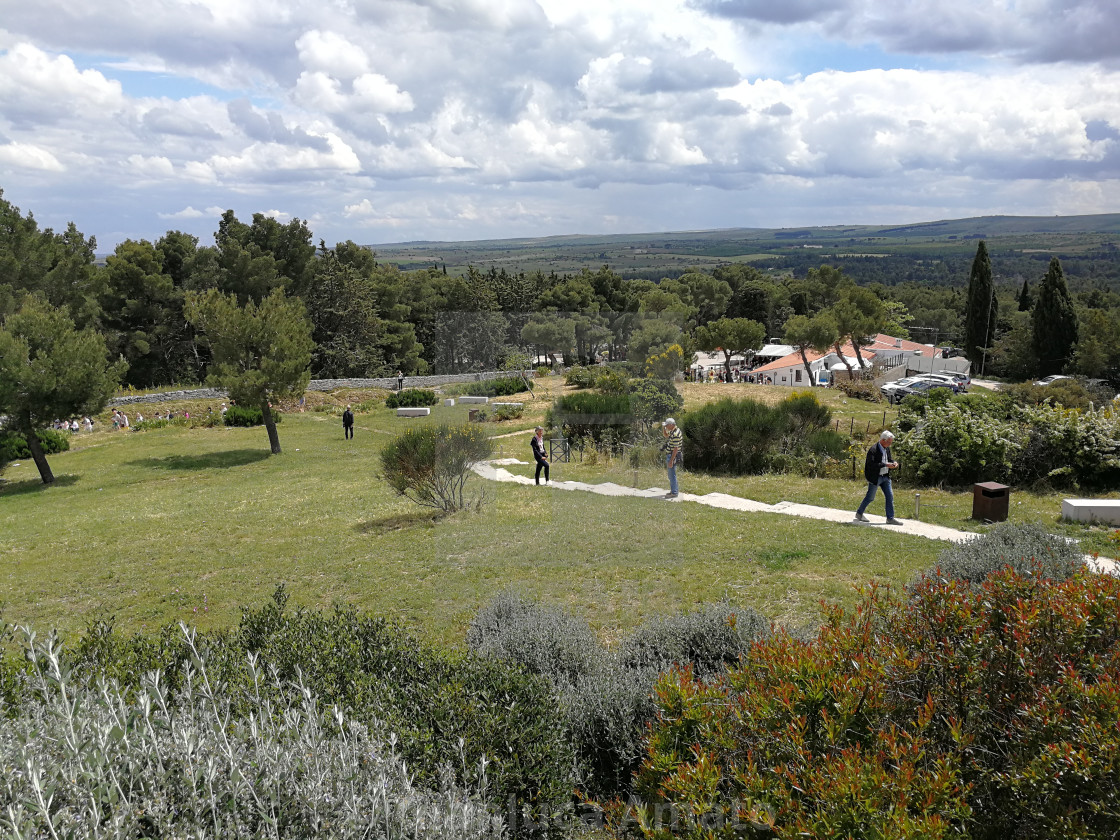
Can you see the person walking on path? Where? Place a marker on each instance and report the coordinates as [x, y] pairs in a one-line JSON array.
[[348, 423], [876, 469], [538, 454], [674, 442], [400, 381]]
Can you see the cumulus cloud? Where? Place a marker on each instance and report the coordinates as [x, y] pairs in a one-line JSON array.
[[28, 156], [331, 53], [187, 212], [1036, 31], [464, 109], [155, 166], [38, 88]]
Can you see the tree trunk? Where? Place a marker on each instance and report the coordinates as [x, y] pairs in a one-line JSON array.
[[727, 363], [39, 457], [270, 425], [844, 359], [805, 361], [859, 356]]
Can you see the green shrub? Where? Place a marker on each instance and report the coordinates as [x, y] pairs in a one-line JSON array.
[[241, 415], [504, 386], [411, 398], [430, 464], [90, 759], [860, 389], [610, 381], [1028, 549], [607, 697], [746, 437], [652, 400], [706, 640], [13, 445], [580, 377], [202, 421], [544, 641], [446, 712], [986, 713], [951, 443], [594, 416], [1068, 393], [507, 412]]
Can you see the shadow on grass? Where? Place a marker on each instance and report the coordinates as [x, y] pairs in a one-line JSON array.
[[34, 485], [400, 521], [209, 461]]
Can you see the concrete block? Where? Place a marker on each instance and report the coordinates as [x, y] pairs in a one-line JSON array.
[[1105, 511], [449, 403], [413, 412], [507, 405], [474, 400]]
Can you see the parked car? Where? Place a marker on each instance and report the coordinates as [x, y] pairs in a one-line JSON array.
[[962, 380], [1049, 380], [922, 386], [888, 388]]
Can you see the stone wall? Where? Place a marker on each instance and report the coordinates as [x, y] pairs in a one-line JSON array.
[[389, 382]]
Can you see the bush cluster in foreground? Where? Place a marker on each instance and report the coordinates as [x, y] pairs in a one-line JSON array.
[[982, 701], [93, 759], [987, 712]]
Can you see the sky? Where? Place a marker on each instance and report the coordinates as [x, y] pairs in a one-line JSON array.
[[387, 121]]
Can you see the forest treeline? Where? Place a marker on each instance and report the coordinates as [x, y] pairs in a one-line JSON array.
[[369, 318]]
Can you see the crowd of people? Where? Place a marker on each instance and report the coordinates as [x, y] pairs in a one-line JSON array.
[[713, 376], [121, 420]]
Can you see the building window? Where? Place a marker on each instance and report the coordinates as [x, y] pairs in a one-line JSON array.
[[797, 376]]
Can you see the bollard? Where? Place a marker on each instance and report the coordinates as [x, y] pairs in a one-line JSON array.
[[917, 506]]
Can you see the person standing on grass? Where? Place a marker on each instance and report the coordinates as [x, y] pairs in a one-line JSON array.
[[674, 443], [538, 454], [400, 381], [348, 423], [876, 469]]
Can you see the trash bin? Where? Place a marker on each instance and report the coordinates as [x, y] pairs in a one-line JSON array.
[[989, 501]]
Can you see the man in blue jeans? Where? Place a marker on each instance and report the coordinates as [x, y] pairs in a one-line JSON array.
[[876, 469]]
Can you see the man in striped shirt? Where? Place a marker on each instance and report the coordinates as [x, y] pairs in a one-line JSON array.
[[674, 440]]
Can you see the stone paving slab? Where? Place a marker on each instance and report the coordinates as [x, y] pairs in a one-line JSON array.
[[725, 501]]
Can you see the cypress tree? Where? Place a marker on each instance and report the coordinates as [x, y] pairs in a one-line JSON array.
[[1054, 321], [981, 308], [1025, 299]]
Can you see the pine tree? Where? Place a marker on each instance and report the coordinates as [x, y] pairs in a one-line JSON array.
[[981, 309], [1055, 322], [1025, 299]]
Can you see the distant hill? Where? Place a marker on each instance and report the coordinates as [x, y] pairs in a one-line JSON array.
[[655, 255], [973, 227]]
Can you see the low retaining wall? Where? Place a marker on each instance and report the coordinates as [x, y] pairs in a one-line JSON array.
[[389, 382]]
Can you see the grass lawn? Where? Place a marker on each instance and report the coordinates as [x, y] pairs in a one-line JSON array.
[[192, 524]]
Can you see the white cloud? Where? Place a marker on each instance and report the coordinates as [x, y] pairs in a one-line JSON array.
[[187, 212], [376, 92], [474, 113], [37, 88], [332, 54], [28, 156], [156, 166]]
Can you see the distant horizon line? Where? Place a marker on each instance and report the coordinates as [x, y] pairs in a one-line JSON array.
[[693, 231]]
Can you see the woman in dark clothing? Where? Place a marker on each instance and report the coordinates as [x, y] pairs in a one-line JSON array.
[[538, 454]]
